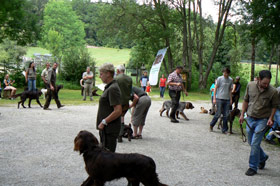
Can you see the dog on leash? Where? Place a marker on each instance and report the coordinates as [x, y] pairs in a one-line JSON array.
[[180, 110], [233, 113], [203, 110], [103, 165], [31, 95]]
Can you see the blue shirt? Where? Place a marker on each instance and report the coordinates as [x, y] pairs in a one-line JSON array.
[[212, 87]]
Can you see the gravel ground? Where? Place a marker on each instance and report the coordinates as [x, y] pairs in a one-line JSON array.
[[36, 148]]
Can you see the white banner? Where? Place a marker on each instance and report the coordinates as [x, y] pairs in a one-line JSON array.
[[153, 78]]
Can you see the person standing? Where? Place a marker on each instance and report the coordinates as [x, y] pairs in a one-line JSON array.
[[108, 120], [236, 92], [30, 77], [162, 85], [223, 99], [88, 83], [144, 80], [141, 103], [125, 84], [52, 90], [176, 85], [260, 103], [45, 73]]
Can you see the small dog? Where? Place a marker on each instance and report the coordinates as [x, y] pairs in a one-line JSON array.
[[29, 94], [203, 110], [127, 132], [103, 165], [234, 113], [182, 105]]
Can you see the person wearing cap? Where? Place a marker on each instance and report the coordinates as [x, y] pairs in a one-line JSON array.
[[175, 83], [236, 92], [125, 84], [223, 99]]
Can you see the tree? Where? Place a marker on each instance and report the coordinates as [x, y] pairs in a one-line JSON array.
[[62, 29], [17, 22]]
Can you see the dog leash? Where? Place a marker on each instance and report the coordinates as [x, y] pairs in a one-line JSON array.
[[242, 132], [243, 136]]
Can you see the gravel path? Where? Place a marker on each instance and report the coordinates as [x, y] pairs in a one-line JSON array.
[[36, 148]]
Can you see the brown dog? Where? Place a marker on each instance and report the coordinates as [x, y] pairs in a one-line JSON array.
[[234, 113], [203, 110], [103, 165], [180, 110]]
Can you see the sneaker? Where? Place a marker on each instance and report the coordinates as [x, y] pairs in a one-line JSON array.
[[250, 172], [272, 142], [211, 128], [61, 106], [120, 139], [47, 109], [262, 164], [174, 120]]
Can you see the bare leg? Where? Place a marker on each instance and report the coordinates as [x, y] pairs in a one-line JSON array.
[[135, 129], [140, 129]]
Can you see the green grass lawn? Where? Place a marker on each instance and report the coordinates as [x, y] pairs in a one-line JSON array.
[[100, 54]]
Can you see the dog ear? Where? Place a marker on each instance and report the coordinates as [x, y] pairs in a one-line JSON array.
[[187, 105], [77, 144]]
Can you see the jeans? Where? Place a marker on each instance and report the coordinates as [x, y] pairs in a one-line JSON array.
[[175, 98], [255, 136], [275, 125], [222, 108], [32, 85], [162, 89]]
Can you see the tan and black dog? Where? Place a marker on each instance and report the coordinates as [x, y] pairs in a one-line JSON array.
[[203, 110], [233, 113], [180, 110]]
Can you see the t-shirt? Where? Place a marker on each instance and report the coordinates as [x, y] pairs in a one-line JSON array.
[[237, 88], [162, 82], [125, 84], [148, 89], [31, 74], [212, 87], [138, 91], [110, 97], [144, 80], [224, 87], [88, 81]]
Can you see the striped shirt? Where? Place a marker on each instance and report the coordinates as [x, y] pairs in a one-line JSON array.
[[175, 78]]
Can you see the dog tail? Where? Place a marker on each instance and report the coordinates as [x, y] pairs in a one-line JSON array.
[[17, 95]]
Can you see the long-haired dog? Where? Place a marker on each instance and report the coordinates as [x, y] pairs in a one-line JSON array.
[[180, 110], [31, 95], [103, 165]]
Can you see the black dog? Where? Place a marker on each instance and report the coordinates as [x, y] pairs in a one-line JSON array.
[[182, 105], [127, 132], [233, 113], [31, 95], [103, 165]]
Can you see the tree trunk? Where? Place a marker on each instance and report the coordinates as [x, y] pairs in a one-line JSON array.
[[224, 7], [190, 42], [271, 56], [278, 56], [253, 57], [165, 68]]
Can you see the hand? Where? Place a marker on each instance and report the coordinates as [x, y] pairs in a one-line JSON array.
[[241, 119], [186, 93], [214, 101], [52, 88], [270, 122], [230, 102], [178, 84], [101, 126]]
